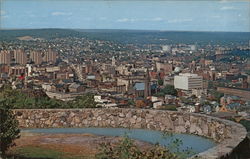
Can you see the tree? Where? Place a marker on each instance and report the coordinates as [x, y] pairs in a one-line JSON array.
[[131, 102], [84, 101], [217, 95], [160, 82], [169, 89], [210, 85], [9, 130]]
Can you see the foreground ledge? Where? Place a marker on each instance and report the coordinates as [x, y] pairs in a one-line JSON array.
[[226, 133]]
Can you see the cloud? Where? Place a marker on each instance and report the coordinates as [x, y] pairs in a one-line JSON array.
[[227, 8], [126, 20], [157, 19], [180, 20], [223, 1], [61, 13]]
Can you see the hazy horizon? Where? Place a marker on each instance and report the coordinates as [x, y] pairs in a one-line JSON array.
[[140, 30]]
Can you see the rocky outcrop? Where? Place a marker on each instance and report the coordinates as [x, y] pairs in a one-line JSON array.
[[228, 134]]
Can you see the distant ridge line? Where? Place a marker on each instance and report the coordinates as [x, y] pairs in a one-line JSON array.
[[122, 30]]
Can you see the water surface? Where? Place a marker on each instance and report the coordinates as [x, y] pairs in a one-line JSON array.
[[197, 143]]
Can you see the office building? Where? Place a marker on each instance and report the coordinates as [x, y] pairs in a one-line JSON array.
[[188, 81]]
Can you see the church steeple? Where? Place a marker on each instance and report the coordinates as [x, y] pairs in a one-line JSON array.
[[147, 89], [130, 86]]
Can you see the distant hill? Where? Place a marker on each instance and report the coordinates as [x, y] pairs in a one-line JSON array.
[[37, 33], [133, 36], [28, 38], [167, 37]]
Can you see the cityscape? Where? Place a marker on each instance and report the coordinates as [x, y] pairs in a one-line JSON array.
[[126, 93]]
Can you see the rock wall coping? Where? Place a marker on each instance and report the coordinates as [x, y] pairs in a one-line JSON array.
[[226, 133]]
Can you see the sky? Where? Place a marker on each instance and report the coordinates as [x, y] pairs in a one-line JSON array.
[[174, 15]]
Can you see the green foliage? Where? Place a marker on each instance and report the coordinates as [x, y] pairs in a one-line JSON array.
[[170, 90], [84, 101], [170, 107], [166, 134], [38, 33], [21, 100], [122, 150], [186, 100], [210, 85], [160, 94], [132, 36], [18, 100], [126, 149], [158, 152], [217, 95], [160, 82], [206, 103], [131, 102], [154, 37], [8, 127], [174, 146], [39, 152]]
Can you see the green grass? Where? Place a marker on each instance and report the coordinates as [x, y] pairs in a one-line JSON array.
[[34, 152]]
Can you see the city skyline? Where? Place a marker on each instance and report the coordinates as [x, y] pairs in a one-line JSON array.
[[232, 16]]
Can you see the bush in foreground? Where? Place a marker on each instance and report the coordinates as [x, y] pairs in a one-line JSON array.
[[126, 149]]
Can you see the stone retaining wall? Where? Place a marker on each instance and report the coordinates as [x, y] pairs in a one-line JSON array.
[[226, 133]]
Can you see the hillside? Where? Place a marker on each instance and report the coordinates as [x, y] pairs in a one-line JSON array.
[[133, 36], [37, 33], [167, 37]]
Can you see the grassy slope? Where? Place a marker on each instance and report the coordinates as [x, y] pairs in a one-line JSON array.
[[37, 152]]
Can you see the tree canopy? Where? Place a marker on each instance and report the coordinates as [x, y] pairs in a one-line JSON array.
[[9, 130], [168, 89], [19, 99]]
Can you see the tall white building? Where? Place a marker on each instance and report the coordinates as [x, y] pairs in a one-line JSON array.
[[188, 81], [166, 48], [113, 63], [193, 47]]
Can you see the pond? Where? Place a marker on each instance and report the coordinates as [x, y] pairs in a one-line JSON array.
[[197, 143]]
